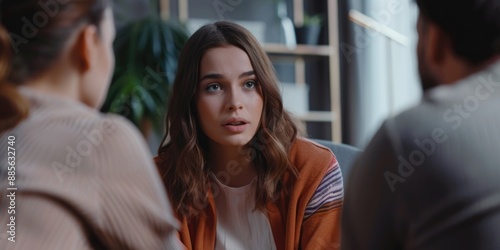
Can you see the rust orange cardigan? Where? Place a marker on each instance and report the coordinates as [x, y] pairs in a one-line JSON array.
[[286, 215]]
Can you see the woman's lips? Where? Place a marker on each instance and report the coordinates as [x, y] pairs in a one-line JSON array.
[[236, 128], [235, 124]]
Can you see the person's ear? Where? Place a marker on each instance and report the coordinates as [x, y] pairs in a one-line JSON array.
[[85, 47], [438, 45]]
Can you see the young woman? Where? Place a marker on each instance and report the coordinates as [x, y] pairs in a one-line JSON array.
[[237, 174], [77, 179]]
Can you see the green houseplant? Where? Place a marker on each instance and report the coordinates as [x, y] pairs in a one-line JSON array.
[[146, 53]]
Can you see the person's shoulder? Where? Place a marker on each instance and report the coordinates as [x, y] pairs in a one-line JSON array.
[[116, 126], [418, 120], [71, 119], [309, 147], [112, 133], [120, 123], [305, 151], [108, 124]]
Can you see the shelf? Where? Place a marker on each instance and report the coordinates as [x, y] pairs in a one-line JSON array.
[[317, 116], [299, 50]]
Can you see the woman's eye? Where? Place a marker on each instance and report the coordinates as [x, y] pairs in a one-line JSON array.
[[250, 84], [213, 87]]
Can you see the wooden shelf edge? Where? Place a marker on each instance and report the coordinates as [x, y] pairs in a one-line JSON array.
[[299, 50], [317, 116]]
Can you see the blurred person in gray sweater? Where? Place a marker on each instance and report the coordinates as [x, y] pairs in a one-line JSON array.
[[429, 179]]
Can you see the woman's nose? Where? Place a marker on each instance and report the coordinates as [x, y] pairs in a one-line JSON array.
[[234, 100]]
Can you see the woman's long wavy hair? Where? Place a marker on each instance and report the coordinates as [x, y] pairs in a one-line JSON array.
[[183, 153]]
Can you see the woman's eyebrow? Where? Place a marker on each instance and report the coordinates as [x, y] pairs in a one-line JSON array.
[[220, 76], [248, 73], [211, 76]]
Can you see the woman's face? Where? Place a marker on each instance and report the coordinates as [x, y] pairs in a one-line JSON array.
[[102, 62], [228, 97]]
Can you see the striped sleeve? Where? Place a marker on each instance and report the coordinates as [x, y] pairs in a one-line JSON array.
[[329, 193]]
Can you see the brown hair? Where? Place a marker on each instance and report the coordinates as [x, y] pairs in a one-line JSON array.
[[12, 107], [32, 37], [184, 147]]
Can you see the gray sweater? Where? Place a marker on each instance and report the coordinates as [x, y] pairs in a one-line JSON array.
[[430, 178]]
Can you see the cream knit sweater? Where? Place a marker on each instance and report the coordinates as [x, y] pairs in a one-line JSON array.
[[83, 180]]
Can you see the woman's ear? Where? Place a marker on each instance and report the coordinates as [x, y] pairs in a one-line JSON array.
[[85, 47]]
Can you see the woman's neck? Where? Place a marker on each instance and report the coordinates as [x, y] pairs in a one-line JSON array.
[[231, 165], [62, 83]]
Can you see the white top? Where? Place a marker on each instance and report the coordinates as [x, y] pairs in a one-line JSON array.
[[239, 224]]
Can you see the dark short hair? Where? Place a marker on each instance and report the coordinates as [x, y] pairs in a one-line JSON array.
[[472, 25]]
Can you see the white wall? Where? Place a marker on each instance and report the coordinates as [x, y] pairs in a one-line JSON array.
[[377, 63]]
